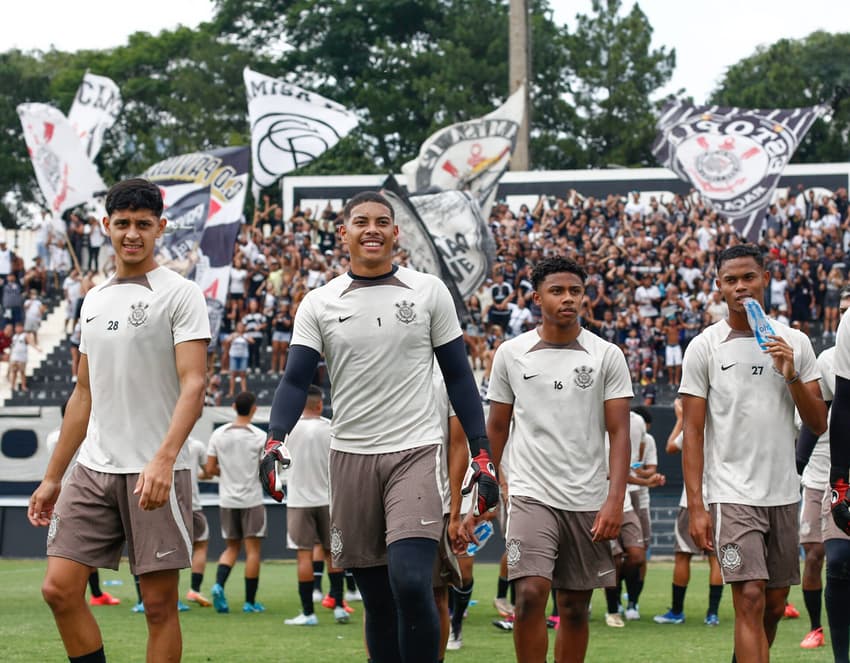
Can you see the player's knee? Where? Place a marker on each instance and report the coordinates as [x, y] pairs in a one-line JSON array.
[[530, 599], [410, 590], [573, 613], [159, 609], [635, 556], [57, 596], [838, 560], [751, 599], [814, 555]]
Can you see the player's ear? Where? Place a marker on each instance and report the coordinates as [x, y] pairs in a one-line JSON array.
[[161, 228]]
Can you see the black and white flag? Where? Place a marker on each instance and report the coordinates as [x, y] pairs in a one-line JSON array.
[[96, 106], [733, 156]]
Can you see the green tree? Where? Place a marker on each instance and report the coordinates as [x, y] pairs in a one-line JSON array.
[[795, 73], [615, 73]]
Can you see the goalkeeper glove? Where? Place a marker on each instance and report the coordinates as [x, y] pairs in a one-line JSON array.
[[840, 503], [275, 460], [482, 476]]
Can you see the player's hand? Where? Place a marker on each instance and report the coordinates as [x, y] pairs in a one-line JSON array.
[[656, 480], [275, 460], [782, 355], [154, 483], [840, 503], [700, 528], [481, 475], [43, 500], [458, 537], [609, 519]]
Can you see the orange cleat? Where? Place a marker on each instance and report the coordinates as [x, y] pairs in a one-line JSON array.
[[330, 603], [791, 612], [813, 640], [104, 599]]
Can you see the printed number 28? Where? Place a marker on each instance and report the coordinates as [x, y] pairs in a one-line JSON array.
[[112, 325]]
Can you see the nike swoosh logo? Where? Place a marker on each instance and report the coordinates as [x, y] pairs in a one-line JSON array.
[[427, 522], [605, 573], [528, 377], [91, 318], [343, 319], [726, 368], [160, 555]]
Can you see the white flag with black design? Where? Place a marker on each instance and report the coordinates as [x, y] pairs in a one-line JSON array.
[[95, 109], [65, 174], [733, 156], [469, 156], [290, 126]]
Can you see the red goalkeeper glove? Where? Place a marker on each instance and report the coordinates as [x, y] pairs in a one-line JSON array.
[[481, 476], [275, 460], [840, 503]]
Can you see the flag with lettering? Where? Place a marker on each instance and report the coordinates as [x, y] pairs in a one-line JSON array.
[[65, 174], [469, 156], [733, 156], [95, 109], [290, 126]]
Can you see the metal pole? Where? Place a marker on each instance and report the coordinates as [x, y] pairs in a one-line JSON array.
[[519, 72]]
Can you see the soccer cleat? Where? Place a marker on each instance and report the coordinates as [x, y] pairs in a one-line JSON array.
[[138, 608], [813, 639], [196, 597], [182, 607], [341, 615], [671, 617], [219, 601], [303, 620], [253, 607], [353, 596], [104, 599], [553, 621], [318, 596], [503, 607], [791, 612], [632, 614], [455, 641], [328, 602], [711, 619], [614, 620], [506, 624]]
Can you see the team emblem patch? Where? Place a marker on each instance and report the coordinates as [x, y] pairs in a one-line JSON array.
[[138, 314], [336, 540], [513, 551], [730, 556], [404, 312], [805, 528], [584, 379], [54, 525]]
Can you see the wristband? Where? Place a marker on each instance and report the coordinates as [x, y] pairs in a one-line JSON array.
[[796, 378]]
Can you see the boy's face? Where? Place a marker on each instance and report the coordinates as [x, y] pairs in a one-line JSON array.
[[133, 234]]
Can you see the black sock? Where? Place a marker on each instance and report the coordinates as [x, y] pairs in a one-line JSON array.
[[502, 590], [336, 586], [318, 572], [512, 592], [251, 585], [93, 657], [138, 588], [634, 596], [554, 602], [94, 584], [612, 598], [714, 594], [380, 614], [197, 579], [812, 599], [305, 592], [410, 563], [350, 585], [461, 598], [632, 578], [838, 615], [222, 573], [678, 605]]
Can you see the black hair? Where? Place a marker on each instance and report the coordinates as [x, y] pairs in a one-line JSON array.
[[367, 197], [740, 251], [555, 265], [844, 292], [315, 392], [244, 402], [134, 194], [643, 412]]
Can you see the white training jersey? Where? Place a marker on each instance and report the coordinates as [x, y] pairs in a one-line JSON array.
[[841, 360], [627, 499], [683, 500], [239, 450], [309, 444], [378, 337], [129, 330], [749, 429], [637, 435], [197, 451], [557, 441], [649, 458], [816, 472]]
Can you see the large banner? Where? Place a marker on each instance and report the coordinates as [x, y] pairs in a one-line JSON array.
[[290, 126], [95, 109], [733, 156], [469, 156], [65, 174]]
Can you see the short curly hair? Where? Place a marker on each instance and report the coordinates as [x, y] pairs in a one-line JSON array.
[[555, 265]]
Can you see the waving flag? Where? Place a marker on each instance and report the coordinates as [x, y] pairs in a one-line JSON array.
[[469, 156], [733, 156], [95, 109], [290, 126], [64, 172]]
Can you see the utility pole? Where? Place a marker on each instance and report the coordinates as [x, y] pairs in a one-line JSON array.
[[519, 72]]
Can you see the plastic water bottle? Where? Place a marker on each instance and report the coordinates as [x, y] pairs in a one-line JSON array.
[[112, 583], [637, 465], [758, 322], [483, 532]]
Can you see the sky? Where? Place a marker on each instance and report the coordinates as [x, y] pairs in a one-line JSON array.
[[708, 36]]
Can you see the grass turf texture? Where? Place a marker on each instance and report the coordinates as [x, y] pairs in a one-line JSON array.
[[27, 631]]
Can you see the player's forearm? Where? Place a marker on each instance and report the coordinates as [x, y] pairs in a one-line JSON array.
[[810, 405], [618, 466], [291, 394], [693, 462], [463, 393], [73, 432], [458, 459], [806, 442], [187, 411]]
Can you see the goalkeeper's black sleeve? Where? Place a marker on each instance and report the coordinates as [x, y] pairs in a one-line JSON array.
[[805, 445], [291, 393], [839, 426], [463, 393]]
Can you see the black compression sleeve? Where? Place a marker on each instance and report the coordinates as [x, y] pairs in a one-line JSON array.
[[839, 427], [460, 383], [291, 393], [805, 445]]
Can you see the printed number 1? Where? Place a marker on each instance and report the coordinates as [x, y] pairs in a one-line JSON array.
[[379, 322]]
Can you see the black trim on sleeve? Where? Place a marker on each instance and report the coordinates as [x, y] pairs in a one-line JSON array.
[[463, 393], [291, 394]]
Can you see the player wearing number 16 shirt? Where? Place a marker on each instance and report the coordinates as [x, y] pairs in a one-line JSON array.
[[379, 327]]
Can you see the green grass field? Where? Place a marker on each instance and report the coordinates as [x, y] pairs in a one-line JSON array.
[[27, 632]]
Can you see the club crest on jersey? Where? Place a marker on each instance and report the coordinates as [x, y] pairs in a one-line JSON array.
[[404, 311], [138, 314], [54, 525], [730, 556], [513, 552], [336, 540], [584, 379]]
